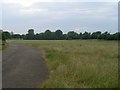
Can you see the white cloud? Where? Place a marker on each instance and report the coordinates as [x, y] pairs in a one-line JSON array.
[[33, 11], [0, 16], [27, 3], [22, 14]]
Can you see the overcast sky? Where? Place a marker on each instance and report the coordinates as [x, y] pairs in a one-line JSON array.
[[68, 15]]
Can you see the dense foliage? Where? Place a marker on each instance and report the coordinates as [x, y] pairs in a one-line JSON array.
[[58, 35]]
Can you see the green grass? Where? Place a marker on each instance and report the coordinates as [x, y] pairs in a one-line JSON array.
[[80, 63], [0, 47], [0, 44], [3, 47]]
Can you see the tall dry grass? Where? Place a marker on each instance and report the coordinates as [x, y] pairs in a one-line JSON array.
[[80, 63]]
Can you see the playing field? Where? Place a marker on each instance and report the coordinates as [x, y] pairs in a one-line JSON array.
[[79, 63]]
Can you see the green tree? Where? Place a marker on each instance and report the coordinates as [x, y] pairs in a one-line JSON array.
[[30, 35], [117, 36], [47, 34], [96, 35], [16, 36], [105, 35], [59, 34], [72, 35], [53, 36], [86, 35], [7, 35], [80, 35], [3, 39]]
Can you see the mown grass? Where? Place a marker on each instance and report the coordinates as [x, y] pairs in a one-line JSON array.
[[80, 63]]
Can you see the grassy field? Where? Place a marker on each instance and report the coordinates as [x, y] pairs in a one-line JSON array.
[[0, 47], [0, 44], [80, 63]]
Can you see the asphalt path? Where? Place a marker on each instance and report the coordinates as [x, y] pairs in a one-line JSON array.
[[23, 67]]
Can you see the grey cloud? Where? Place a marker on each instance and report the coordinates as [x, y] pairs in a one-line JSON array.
[[66, 16]]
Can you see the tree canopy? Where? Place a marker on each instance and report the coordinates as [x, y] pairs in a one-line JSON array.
[[58, 35]]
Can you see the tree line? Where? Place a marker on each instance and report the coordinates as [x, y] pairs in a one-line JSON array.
[[58, 35]]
